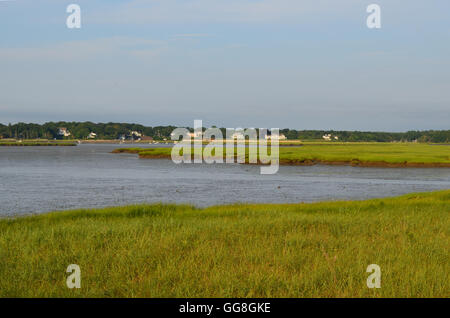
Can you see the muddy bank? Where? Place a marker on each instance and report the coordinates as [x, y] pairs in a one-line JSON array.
[[358, 163], [127, 150]]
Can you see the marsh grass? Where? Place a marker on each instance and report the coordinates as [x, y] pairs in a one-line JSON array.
[[369, 152], [262, 250], [377, 154]]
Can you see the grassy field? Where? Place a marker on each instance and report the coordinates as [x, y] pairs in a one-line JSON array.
[[357, 154], [292, 250]]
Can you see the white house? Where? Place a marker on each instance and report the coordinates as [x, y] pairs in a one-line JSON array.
[[280, 137], [197, 134], [62, 131], [135, 133], [237, 135], [92, 135], [246, 135], [328, 137]]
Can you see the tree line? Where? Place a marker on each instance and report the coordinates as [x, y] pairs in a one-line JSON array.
[[80, 130], [440, 136]]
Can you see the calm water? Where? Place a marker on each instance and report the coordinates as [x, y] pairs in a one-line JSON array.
[[41, 179]]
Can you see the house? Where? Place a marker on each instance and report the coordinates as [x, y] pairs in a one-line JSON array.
[[146, 138], [135, 133], [329, 137], [197, 134], [92, 135], [237, 135], [280, 137], [62, 131], [243, 135]]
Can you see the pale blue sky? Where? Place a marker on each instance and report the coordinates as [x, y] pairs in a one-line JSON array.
[[309, 64]]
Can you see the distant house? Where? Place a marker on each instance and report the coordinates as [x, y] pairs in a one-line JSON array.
[[135, 133], [237, 135], [197, 134], [246, 135], [62, 131], [146, 138], [280, 137], [92, 135], [329, 137]]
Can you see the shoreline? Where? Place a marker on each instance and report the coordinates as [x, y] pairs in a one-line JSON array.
[[12, 217], [37, 144], [366, 164]]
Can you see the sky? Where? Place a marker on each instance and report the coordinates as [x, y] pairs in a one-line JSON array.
[[311, 64]]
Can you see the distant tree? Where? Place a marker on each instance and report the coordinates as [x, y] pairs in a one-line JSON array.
[[110, 130]]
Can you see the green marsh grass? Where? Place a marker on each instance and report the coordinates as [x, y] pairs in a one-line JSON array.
[[377, 154], [262, 250]]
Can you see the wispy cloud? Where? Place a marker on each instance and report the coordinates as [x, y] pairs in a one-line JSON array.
[[85, 50]]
